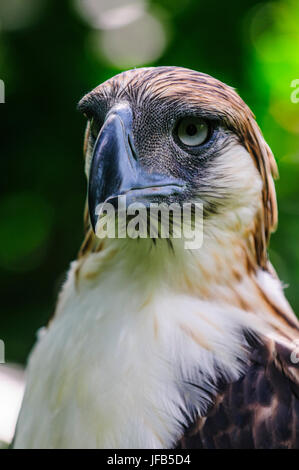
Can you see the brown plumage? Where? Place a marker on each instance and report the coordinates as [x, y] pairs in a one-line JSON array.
[[258, 411]]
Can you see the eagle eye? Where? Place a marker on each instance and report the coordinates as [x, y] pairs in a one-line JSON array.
[[192, 131]]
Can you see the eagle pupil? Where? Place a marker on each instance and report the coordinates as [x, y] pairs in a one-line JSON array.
[[191, 129]]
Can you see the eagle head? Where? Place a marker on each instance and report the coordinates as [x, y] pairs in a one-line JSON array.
[[173, 135]]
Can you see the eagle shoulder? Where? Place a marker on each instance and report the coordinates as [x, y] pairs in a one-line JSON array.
[[260, 410]]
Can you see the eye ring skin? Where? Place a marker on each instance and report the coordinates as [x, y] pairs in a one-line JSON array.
[[196, 149], [192, 132]]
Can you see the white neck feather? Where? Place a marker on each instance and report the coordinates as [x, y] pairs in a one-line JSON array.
[[134, 350]]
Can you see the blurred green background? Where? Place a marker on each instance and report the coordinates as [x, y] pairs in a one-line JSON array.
[[52, 53]]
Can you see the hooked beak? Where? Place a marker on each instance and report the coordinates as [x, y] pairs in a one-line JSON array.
[[115, 169]]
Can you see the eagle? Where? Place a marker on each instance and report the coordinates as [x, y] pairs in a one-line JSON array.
[[154, 345]]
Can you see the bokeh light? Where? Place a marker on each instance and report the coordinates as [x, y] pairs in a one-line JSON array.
[[110, 14], [17, 14], [127, 34], [274, 34], [135, 44]]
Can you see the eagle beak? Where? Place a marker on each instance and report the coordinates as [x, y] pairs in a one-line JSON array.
[[115, 169]]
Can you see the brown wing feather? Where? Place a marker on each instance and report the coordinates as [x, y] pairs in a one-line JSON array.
[[259, 411]]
